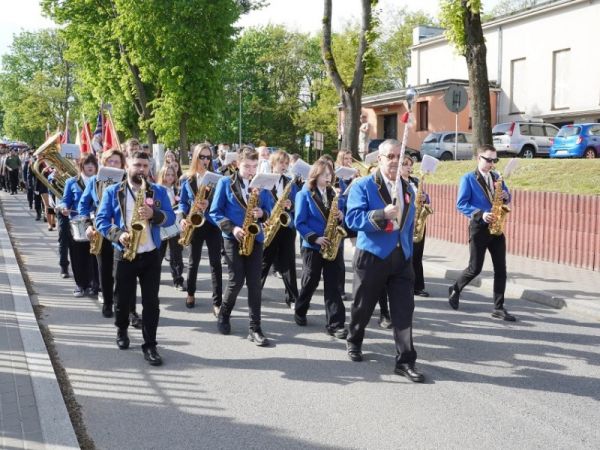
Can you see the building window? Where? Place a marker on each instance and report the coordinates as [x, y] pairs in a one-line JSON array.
[[560, 78], [423, 116], [518, 86]]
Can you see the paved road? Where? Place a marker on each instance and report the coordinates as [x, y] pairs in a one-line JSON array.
[[532, 384]]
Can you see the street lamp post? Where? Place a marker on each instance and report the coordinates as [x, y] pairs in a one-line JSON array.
[[240, 122]]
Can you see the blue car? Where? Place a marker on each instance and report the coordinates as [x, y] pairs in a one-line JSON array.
[[581, 140]]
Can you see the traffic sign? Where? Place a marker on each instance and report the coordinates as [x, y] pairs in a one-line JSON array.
[[456, 98]]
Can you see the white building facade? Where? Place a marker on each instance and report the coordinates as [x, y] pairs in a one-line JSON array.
[[545, 60]]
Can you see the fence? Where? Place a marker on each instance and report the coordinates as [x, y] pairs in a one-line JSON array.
[[550, 226]]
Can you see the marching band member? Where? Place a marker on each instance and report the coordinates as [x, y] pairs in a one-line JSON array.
[[229, 210], [167, 178], [84, 266], [383, 257], [88, 204], [475, 198], [208, 233], [313, 204], [119, 207], [282, 249]]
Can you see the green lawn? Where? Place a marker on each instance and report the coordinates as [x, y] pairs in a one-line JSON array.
[[571, 176]]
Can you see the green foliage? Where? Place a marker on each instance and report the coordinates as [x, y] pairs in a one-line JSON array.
[[36, 86], [452, 18]]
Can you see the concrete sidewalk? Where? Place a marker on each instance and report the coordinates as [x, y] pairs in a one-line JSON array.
[[32, 410]]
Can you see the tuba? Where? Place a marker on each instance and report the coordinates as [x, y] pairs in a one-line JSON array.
[[333, 232], [422, 212], [138, 226], [195, 218], [48, 156], [363, 168], [249, 226], [279, 217], [499, 209]]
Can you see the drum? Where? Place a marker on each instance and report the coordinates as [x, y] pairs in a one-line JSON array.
[[167, 233], [78, 227]]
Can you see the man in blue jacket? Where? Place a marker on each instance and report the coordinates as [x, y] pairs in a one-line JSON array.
[[113, 220], [475, 197], [384, 222]]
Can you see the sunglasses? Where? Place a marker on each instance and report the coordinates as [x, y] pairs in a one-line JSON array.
[[490, 160], [203, 157]]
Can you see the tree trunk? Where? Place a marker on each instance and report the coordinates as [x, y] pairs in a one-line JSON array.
[[478, 79], [183, 139], [352, 107], [151, 136]]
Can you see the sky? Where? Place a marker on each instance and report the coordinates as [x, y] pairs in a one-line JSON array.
[[298, 15]]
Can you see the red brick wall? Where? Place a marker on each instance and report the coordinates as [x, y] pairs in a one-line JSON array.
[[554, 227]]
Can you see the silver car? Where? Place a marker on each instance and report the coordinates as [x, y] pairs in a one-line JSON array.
[[525, 139], [441, 145]]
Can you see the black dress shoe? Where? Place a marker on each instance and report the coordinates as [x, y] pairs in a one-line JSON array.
[[300, 320], [107, 311], [258, 337], [385, 322], [340, 333], [179, 286], [354, 353], [136, 321], [190, 304], [223, 324], [409, 371], [453, 297], [152, 356], [504, 315], [421, 293], [64, 272], [122, 339]]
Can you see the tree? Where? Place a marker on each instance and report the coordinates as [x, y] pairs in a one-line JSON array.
[[462, 20], [36, 87], [349, 94]]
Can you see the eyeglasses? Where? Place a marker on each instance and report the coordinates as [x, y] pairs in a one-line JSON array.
[[391, 157], [203, 157], [490, 160]]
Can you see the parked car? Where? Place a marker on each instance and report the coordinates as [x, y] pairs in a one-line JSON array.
[[525, 139], [440, 145], [581, 140], [414, 154]]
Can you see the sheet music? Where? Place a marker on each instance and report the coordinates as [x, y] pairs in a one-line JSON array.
[[210, 179], [110, 174], [265, 181]]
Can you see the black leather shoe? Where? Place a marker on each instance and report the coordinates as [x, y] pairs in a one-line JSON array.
[[504, 315], [300, 320], [136, 321], [453, 297], [340, 333], [409, 371], [180, 286], [64, 273], [223, 324], [385, 322], [354, 353], [422, 293], [122, 339], [190, 302], [107, 311], [152, 356], [258, 338]]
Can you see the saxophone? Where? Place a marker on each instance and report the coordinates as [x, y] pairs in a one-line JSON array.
[[422, 213], [249, 226], [138, 226], [499, 209], [279, 217], [333, 232], [195, 217], [97, 239]]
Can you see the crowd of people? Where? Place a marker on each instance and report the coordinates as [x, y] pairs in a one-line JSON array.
[[128, 224]]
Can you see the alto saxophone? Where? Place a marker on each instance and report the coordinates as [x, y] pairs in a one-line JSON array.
[[279, 217], [249, 226], [138, 226], [422, 213], [499, 209], [195, 217], [97, 239], [333, 232]]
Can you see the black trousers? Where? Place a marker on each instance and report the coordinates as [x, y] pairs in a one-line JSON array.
[[30, 197], [341, 270], [396, 274], [211, 235], [37, 204], [145, 268], [64, 240], [481, 240], [105, 271], [13, 176], [312, 266], [417, 260], [85, 269], [243, 268], [175, 257], [282, 253]]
